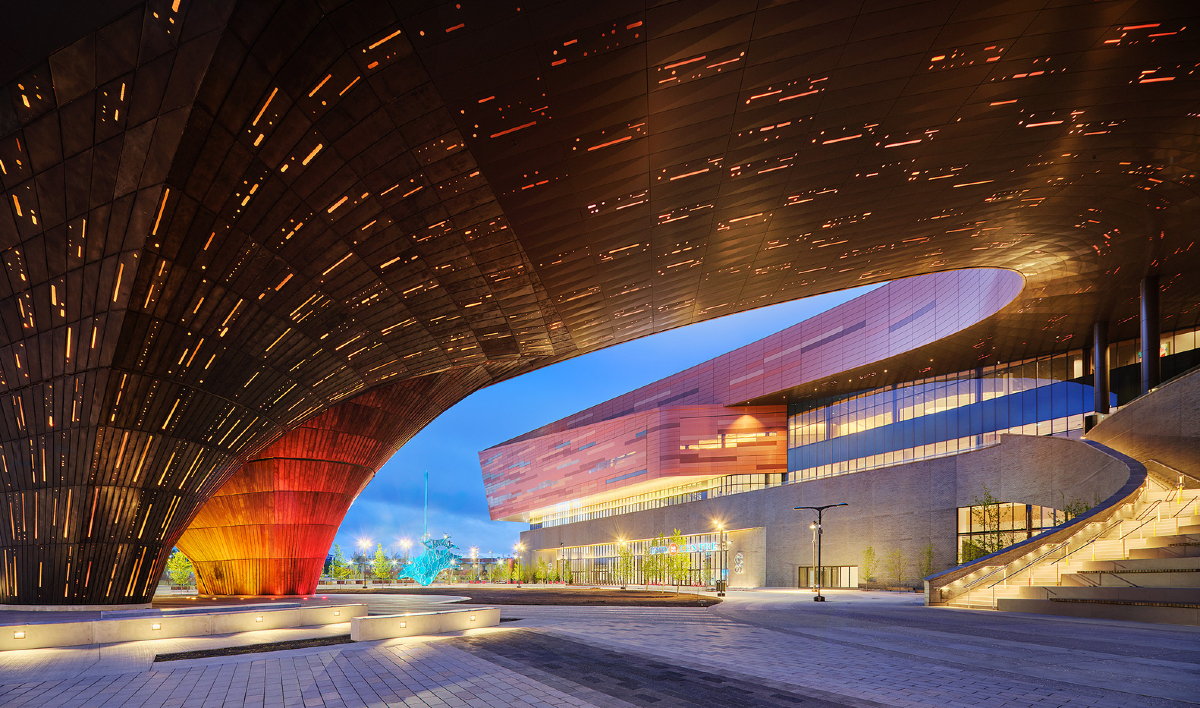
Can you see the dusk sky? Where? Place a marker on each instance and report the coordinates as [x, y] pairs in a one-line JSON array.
[[390, 507]]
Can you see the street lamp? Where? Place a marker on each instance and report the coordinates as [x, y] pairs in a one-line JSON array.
[[363, 545], [621, 570], [724, 579], [820, 510], [475, 560], [517, 548], [813, 580]]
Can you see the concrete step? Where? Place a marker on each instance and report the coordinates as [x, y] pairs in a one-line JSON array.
[[1179, 550], [1169, 495], [1166, 540], [1188, 578], [1143, 564], [1159, 614], [1186, 596], [973, 605]]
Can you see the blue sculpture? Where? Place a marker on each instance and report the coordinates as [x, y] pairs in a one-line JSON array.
[[437, 556]]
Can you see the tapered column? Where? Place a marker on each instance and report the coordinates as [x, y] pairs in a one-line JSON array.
[[1151, 371], [267, 530], [1100, 365]]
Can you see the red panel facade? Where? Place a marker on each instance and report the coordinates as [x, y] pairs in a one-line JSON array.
[[667, 428], [631, 450], [268, 529]]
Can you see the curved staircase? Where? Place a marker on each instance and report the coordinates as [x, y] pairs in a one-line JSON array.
[[1141, 564], [1135, 556]]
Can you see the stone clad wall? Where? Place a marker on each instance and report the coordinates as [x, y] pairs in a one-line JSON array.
[[904, 506], [1163, 426]]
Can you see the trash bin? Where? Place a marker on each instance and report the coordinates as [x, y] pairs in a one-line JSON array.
[[720, 587]]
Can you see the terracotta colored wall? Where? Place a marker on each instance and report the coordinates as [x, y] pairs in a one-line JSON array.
[[538, 469], [268, 529], [630, 450]]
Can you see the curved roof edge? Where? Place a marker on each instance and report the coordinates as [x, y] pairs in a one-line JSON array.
[[894, 319]]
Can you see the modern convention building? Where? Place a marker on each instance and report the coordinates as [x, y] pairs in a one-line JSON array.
[[938, 463], [251, 247]]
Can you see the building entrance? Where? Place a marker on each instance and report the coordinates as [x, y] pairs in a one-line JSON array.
[[832, 576]]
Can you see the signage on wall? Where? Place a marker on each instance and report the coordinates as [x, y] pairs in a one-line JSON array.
[[739, 566], [685, 548]]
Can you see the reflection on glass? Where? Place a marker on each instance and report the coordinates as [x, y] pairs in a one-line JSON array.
[[597, 564], [937, 416], [984, 530]]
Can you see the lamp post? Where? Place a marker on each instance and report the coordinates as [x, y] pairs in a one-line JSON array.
[[475, 561], [724, 579], [813, 581], [562, 557], [363, 545], [516, 561], [820, 510], [404, 545]]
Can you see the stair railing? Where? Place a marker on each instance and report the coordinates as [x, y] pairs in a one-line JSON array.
[[949, 584], [1065, 545], [1149, 514]]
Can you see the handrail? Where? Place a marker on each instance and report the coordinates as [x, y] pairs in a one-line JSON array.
[[1176, 470], [941, 582], [1085, 544], [1146, 517], [1064, 543]]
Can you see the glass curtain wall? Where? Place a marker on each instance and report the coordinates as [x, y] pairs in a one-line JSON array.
[[931, 417], [571, 512], [598, 564], [937, 416], [987, 529]]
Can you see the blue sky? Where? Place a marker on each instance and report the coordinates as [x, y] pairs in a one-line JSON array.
[[390, 507]]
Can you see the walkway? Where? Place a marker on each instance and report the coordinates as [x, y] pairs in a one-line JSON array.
[[762, 648]]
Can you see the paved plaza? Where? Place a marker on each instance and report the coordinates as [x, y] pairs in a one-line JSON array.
[[761, 648]]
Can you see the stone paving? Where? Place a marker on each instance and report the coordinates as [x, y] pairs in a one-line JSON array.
[[771, 649], [402, 673]]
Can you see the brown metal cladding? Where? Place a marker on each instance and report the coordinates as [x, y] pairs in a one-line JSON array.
[[221, 219]]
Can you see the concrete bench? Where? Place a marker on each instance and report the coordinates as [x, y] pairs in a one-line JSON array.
[[169, 625], [363, 629]]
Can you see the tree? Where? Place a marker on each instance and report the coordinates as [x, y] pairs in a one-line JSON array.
[[654, 562], [896, 565], [180, 568], [339, 568], [624, 565], [497, 572], [925, 561], [679, 565], [870, 564], [361, 561], [541, 571], [985, 513], [382, 566], [1077, 506]]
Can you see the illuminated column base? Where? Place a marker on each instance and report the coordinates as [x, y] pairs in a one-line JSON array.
[[268, 529]]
